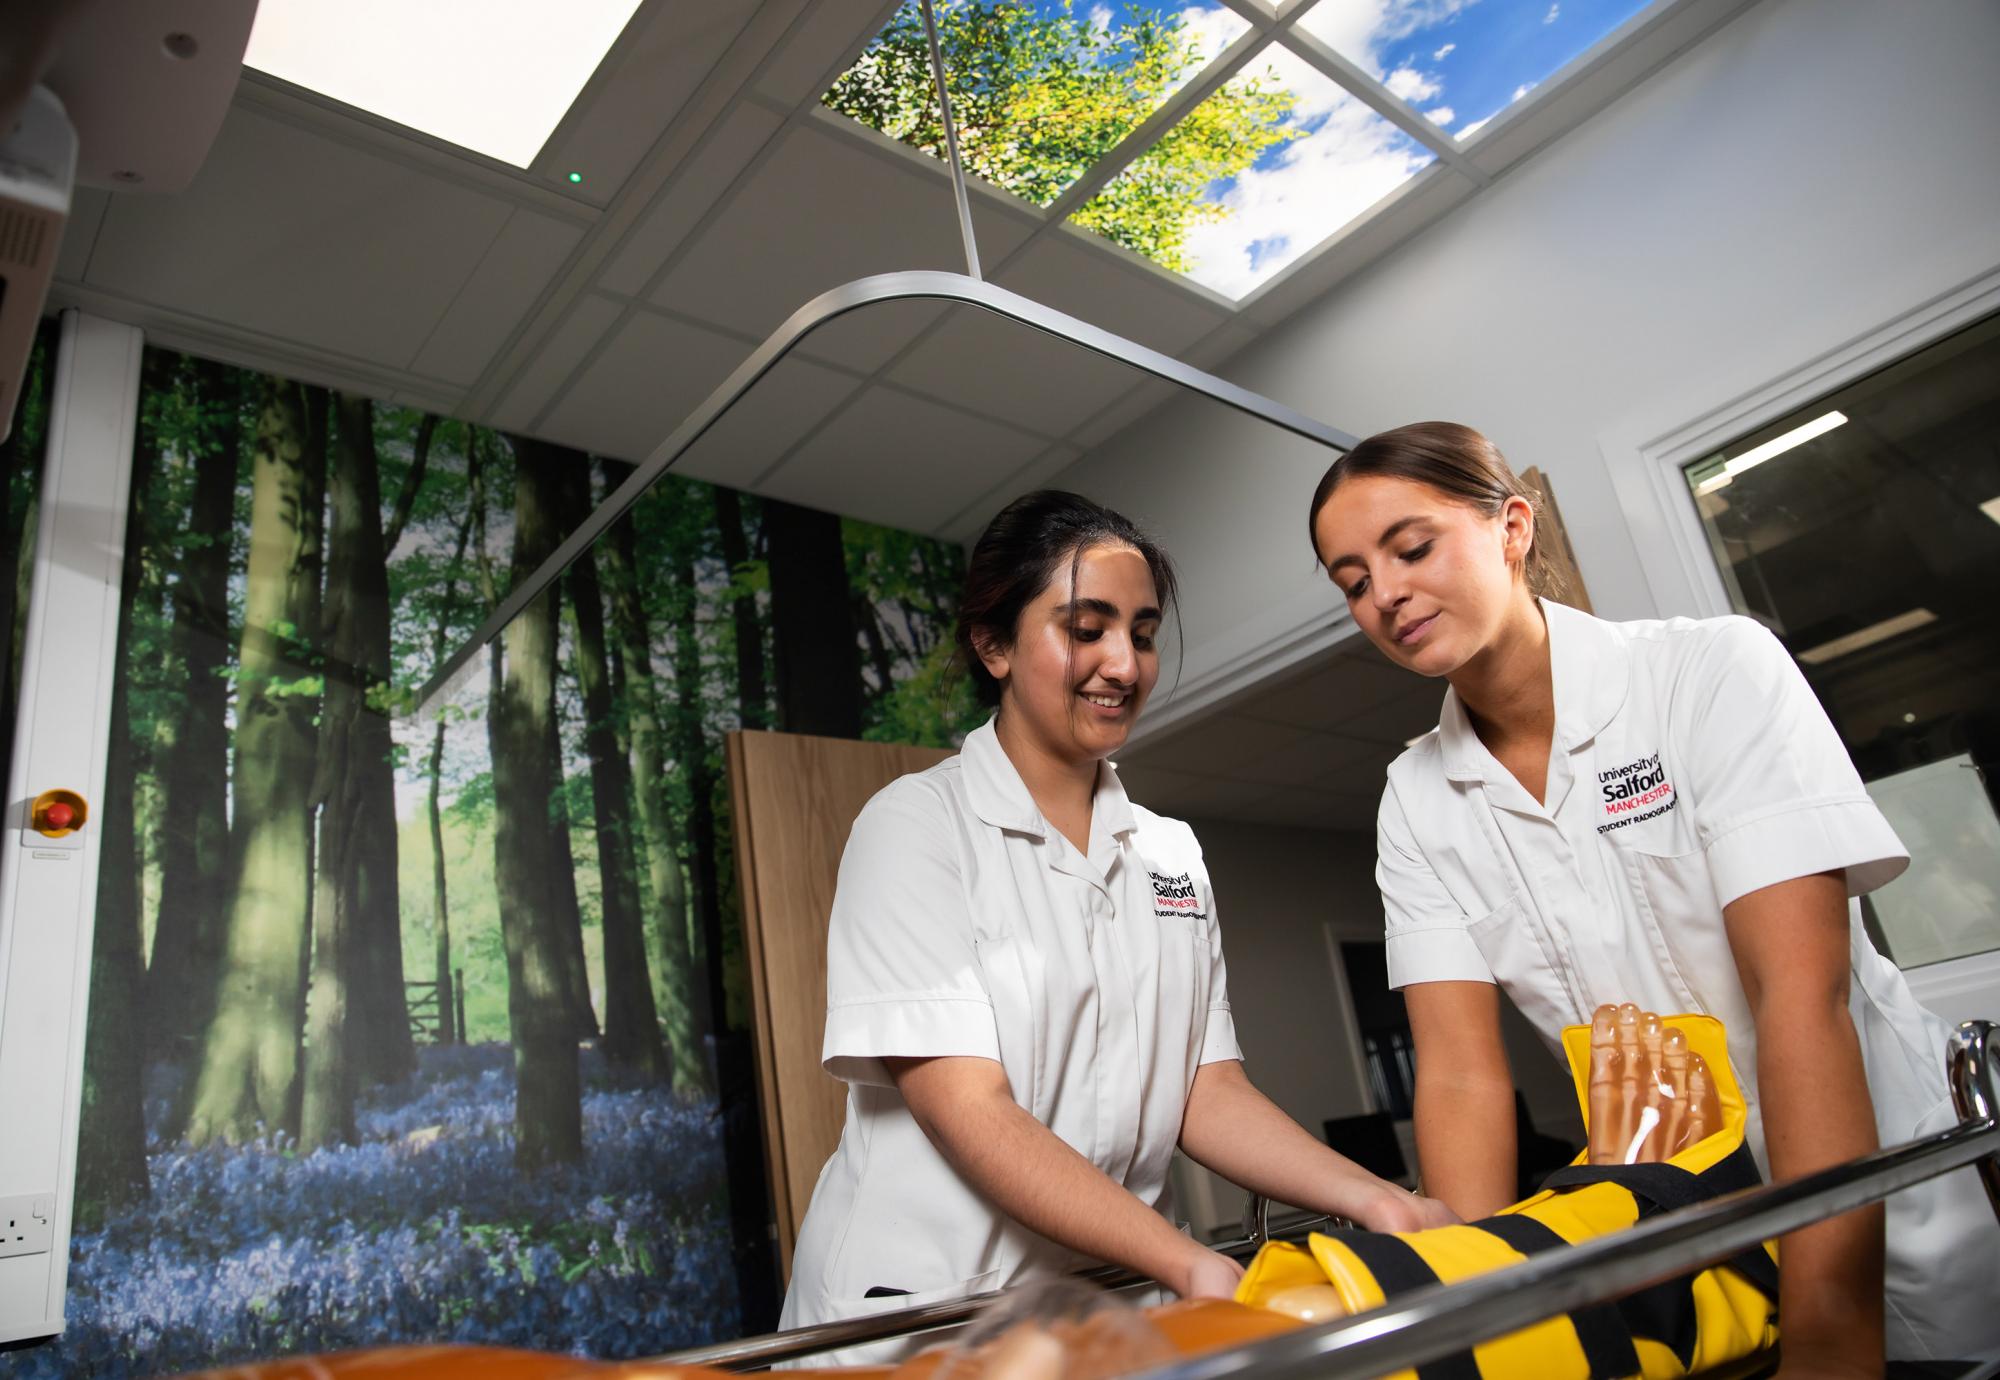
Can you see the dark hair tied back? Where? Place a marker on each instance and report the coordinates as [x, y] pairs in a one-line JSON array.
[[1015, 559], [1457, 462]]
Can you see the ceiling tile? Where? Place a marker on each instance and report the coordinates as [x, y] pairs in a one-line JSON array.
[[508, 280], [303, 238], [900, 460], [1121, 298], [664, 54], [641, 386], [531, 389], [779, 411], [1123, 412], [965, 527], [819, 212], [805, 66], [687, 197], [1014, 372]]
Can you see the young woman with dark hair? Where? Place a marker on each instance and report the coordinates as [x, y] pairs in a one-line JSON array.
[[1650, 812], [1025, 985]]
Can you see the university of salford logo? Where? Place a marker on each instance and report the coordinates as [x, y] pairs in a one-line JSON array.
[[1634, 792], [1176, 896]]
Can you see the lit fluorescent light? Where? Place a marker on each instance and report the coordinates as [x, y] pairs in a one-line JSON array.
[[1797, 436], [1867, 637], [1991, 507], [493, 76]]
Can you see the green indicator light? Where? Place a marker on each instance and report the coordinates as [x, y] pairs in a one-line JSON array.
[[576, 177]]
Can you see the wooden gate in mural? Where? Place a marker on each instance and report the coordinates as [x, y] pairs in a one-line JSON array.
[[795, 799]]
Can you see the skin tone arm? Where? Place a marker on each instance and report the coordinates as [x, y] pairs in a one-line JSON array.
[[966, 1108], [1790, 942], [1466, 1144], [1242, 1135]]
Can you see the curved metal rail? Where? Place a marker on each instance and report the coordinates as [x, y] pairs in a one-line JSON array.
[[1428, 1323], [829, 306]]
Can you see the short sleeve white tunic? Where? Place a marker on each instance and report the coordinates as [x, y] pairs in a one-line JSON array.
[[1692, 764], [964, 924]]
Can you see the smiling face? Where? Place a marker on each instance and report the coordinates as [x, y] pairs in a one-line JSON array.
[[1431, 580], [1080, 669]]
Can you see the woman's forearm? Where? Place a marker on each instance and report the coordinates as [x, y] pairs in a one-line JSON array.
[[1817, 1113], [1466, 1143], [1235, 1130], [1032, 1175]]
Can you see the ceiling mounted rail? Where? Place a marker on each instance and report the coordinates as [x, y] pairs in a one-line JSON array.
[[829, 306]]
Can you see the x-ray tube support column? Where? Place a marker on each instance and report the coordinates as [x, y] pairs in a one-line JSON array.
[[48, 885]]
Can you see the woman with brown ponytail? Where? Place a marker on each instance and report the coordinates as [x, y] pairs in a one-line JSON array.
[[1651, 812]]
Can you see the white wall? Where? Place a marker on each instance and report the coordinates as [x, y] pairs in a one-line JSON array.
[[1809, 172]]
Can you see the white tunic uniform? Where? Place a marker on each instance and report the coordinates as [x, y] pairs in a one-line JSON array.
[[1692, 764], [964, 924]]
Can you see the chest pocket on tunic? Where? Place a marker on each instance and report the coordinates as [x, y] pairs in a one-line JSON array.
[[1674, 895], [1513, 946]]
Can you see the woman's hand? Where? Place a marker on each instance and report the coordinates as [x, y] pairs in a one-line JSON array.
[[1206, 1274], [1395, 1209]]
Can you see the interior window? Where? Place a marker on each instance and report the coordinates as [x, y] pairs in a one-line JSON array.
[[1864, 530]]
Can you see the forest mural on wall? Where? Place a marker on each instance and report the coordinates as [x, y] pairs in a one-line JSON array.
[[435, 1028]]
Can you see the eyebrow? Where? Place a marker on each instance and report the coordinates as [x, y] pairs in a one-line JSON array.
[[1389, 534], [1104, 608]]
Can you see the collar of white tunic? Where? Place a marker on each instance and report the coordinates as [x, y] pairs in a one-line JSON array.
[[1591, 666], [998, 795]]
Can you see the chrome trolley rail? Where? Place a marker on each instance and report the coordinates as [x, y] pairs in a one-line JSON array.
[[1441, 1319]]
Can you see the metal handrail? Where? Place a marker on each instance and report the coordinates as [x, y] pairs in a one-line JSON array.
[[774, 1347], [1441, 1319]]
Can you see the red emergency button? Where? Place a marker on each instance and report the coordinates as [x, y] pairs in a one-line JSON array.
[[58, 813]]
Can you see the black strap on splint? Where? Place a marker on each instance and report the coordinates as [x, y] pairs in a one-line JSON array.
[[1665, 1313], [1601, 1330], [1398, 1269]]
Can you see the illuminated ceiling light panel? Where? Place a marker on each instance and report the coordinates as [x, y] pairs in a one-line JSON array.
[[493, 76], [1991, 507], [1772, 448], [1867, 637], [1042, 89], [1462, 62], [1316, 159]]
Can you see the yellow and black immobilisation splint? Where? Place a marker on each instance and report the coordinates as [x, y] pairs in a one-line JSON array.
[[1719, 1315]]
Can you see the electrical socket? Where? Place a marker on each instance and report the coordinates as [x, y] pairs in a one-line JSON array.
[[27, 1224]]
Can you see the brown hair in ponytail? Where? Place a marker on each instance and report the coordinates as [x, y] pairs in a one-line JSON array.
[[1457, 462]]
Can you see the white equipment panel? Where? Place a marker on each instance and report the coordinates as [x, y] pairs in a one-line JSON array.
[[48, 887]]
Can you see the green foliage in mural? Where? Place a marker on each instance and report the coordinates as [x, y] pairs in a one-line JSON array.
[[1039, 97], [316, 897]]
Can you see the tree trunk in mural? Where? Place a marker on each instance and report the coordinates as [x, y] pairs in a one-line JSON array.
[[449, 1031], [812, 628], [249, 1056], [751, 705], [691, 753], [194, 820], [682, 987], [357, 1026], [548, 1122], [111, 1140], [631, 1022], [569, 912]]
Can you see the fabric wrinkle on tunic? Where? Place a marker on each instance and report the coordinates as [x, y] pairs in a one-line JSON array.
[[1691, 765], [963, 924]]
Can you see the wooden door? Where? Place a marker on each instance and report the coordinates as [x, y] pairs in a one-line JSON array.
[[794, 799]]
